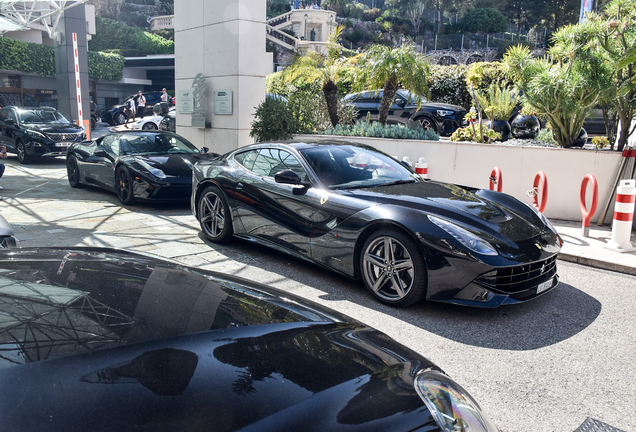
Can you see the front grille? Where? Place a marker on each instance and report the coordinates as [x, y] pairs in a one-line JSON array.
[[65, 137], [519, 278]]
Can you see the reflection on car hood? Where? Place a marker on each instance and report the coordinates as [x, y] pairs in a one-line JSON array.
[[453, 202], [160, 344], [171, 164], [445, 106]]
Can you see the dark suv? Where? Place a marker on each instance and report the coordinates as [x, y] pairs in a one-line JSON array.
[[32, 132], [441, 118], [116, 115]]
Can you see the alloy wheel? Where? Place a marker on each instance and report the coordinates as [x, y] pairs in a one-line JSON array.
[[212, 215], [388, 268]]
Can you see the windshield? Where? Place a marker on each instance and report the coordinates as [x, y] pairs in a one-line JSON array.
[[155, 143], [42, 116], [346, 167]]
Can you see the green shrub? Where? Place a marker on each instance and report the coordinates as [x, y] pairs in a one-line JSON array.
[[466, 134], [273, 121], [447, 84], [114, 35], [545, 135], [375, 129], [40, 59]]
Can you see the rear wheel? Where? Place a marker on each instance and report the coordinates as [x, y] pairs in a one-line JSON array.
[[393, 268], [124, 186], [72, 171], [149, 126], [22, 154], [214, 215], [93, 123]]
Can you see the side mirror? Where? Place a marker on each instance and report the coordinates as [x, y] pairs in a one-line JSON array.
[[204, 150], [400, 102], [290, 177], [99, 152], [9, 122]]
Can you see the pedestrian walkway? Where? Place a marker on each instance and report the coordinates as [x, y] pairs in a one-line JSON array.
[[591, 250]]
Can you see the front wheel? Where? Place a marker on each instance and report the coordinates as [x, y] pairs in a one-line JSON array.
[[120, 118], [22, 154], [427, 124], [214, 215], [393, 268], [149, 126], [124, 186], [72, 172]]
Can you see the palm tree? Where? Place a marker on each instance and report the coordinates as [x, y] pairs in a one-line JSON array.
[[325, 69], [392, 69]]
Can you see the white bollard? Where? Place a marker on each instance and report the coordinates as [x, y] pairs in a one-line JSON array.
[[407, 160], [623, 217], [421, 167]]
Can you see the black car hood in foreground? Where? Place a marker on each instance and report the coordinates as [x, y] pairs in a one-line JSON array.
[[96, 340], [457, 203]]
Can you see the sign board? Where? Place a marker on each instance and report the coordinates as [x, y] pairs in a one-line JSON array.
[[185, 101], [223, 102]]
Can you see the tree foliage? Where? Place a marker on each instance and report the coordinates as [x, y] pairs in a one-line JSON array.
[[392, 69], [488, 20]]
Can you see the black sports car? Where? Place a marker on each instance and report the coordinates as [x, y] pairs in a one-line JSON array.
[[144, 165], [104, 340], [361, 213], [441, 118], [36, 132]]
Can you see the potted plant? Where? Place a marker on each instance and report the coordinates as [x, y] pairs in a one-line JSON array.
[[526, 124], [497, 102]]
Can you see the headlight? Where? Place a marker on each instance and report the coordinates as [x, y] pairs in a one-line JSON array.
[[466, 238], [35, 134], [444, 113], [154, 171], [453, 409]]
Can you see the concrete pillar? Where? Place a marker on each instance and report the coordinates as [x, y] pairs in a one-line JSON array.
[[73, 21], [225, 41]]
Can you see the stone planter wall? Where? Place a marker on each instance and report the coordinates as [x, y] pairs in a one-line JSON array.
[[470, 164]]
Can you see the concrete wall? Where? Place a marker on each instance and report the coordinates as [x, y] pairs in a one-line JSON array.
[[225, 41], [470, 164]]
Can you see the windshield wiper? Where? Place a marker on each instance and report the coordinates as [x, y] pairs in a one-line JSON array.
[[397, 182]]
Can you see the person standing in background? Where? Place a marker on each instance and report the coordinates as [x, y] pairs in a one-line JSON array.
[[3, 155], [141, 103]]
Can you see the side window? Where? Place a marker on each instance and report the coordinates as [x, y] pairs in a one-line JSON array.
[[246, 158], [271, 161], [110, 144]]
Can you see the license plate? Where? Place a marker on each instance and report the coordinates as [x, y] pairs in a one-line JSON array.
[[63, 144], [544, 286]]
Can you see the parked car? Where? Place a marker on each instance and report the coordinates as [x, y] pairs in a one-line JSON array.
[[105, 340], [149, 123], [441, 118], [7, 236], [140, 165], [116, 115], [359, 212], [37, 132], [169, 122], [95, 118]]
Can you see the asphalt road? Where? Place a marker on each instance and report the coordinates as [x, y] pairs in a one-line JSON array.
[[546, 365]]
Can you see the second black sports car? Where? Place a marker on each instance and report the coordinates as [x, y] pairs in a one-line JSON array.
[[144, 165], [361, 213]]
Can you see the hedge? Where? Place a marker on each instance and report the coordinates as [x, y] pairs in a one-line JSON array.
[[114, 35], [39, 59]]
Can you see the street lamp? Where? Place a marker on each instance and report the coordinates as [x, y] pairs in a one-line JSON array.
[[305, 26]]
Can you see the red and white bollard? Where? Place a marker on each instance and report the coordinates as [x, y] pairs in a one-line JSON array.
[[496, 179], [623, 217], [539, 179], [421, 167], [587, 214]]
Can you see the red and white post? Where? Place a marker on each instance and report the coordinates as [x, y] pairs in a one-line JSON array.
[[623, 217], [421, 167], [80, 117]]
